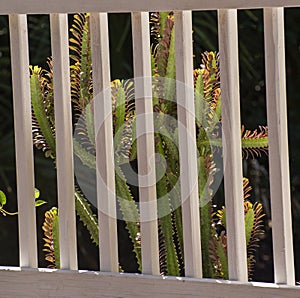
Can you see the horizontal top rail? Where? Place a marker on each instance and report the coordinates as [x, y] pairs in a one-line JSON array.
[[58, 6]]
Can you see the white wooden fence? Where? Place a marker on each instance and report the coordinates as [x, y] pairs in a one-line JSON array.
[[29, 281]]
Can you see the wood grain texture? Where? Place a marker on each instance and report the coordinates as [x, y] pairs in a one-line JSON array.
[[23, 140], [58, 6], [105, 167], [187, 143], [278, 146], [232, 148], [59, 284], [64, 140]]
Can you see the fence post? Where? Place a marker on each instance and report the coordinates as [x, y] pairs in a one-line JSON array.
[[64, 141], [187, 143], [23, 140], [105, 167], [283, 255], [145, 142], [232, 148]]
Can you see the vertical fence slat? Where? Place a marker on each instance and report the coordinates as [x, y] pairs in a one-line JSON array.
[[145, 142], [104, 144], [232, 152], [187, 143], [64, 141], [278, 146], [23, 140]]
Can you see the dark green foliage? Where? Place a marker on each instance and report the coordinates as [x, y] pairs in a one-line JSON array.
[[254, 229], [208, 112]]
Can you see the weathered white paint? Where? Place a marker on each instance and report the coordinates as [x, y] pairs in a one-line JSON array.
[[64, 140], [145, 142], [44, 283], [187, 143], [232, 149], [58, 6], [105, 169], [23, 140], [278, 146]]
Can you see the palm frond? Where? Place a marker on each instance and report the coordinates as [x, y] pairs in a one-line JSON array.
[[123, 109], [256, 233], [43, 123], [163, 35], [253, 214], [218, 255], [51, 232], [81, 82], [255, 142]]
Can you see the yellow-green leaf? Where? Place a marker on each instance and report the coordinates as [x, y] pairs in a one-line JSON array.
[[39, 203], [36, 193], [2, 198]]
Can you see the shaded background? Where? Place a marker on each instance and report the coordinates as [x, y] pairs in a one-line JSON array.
[[253, 111]]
